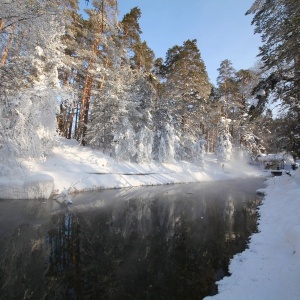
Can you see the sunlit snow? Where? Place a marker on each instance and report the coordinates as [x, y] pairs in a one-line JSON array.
[[83, 169], [270, 268]]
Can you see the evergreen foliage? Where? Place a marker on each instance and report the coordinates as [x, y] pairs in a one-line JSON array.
[[95, 80], [278, 23], [185, 94]]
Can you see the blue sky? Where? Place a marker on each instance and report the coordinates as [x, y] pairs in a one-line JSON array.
[[220, 27]]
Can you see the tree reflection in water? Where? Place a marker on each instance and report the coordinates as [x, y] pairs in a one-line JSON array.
[[63, 274], [157, 243]]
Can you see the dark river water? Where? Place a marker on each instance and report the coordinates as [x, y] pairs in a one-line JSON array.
[[165, 242]]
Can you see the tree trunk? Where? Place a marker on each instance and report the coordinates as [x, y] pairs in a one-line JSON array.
[[1, 25], [85, 103], [7, 48], [87, 90], [71, 117]]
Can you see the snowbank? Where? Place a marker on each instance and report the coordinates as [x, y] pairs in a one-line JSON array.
[[34, 187], [86, 169], [270, 268]]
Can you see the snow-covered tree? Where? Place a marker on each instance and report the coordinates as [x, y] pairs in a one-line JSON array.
[[165, 139], [108, 105], [29, 78], [139, 106], [223, 144], [278, 23], [120, 117], [199, 152], [226, 85], [144, 139], [124, 146], [71, 72], [185, 94], [99, 31]]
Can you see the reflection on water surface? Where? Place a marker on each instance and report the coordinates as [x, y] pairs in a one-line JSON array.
[[167, 242]]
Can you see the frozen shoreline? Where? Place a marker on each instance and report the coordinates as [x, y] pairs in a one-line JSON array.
[[76, 169], [270, 267]]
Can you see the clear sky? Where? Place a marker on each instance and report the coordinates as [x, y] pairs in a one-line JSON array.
[[220, 27]]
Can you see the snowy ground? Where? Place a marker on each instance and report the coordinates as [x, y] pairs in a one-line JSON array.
[[269, 269], [82, 169]]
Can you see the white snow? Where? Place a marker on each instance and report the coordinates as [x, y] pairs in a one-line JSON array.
[[86, 169], [75, 168], [32, 187], [269, 269]]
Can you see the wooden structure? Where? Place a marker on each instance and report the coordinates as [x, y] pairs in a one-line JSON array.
[[274, 162]]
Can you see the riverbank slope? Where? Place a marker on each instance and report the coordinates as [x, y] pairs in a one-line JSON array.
[[72, 168]]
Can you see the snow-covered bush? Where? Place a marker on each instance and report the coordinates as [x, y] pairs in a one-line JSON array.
[[144, 140], [165, 139], [199, 152], [124, 146], [185, 147], [251, 143], [166, 147], [223, 144]]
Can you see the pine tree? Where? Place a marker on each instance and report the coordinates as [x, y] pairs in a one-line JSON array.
[[70, 72], [141, 55], [185, 93], [199, 152], [234, 93], [227, 88], [102, 24], [278, 23], [109, 107], [211, 120], [133, 133]]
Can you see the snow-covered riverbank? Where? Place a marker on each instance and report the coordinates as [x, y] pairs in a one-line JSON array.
[[270, 268], [85, 169]]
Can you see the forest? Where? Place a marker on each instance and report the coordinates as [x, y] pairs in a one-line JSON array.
[[95, 80]]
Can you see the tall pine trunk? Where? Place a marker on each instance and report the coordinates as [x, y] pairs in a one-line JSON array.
[[87, 90], [8, 46]]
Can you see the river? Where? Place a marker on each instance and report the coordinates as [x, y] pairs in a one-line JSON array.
[[162, 242]]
